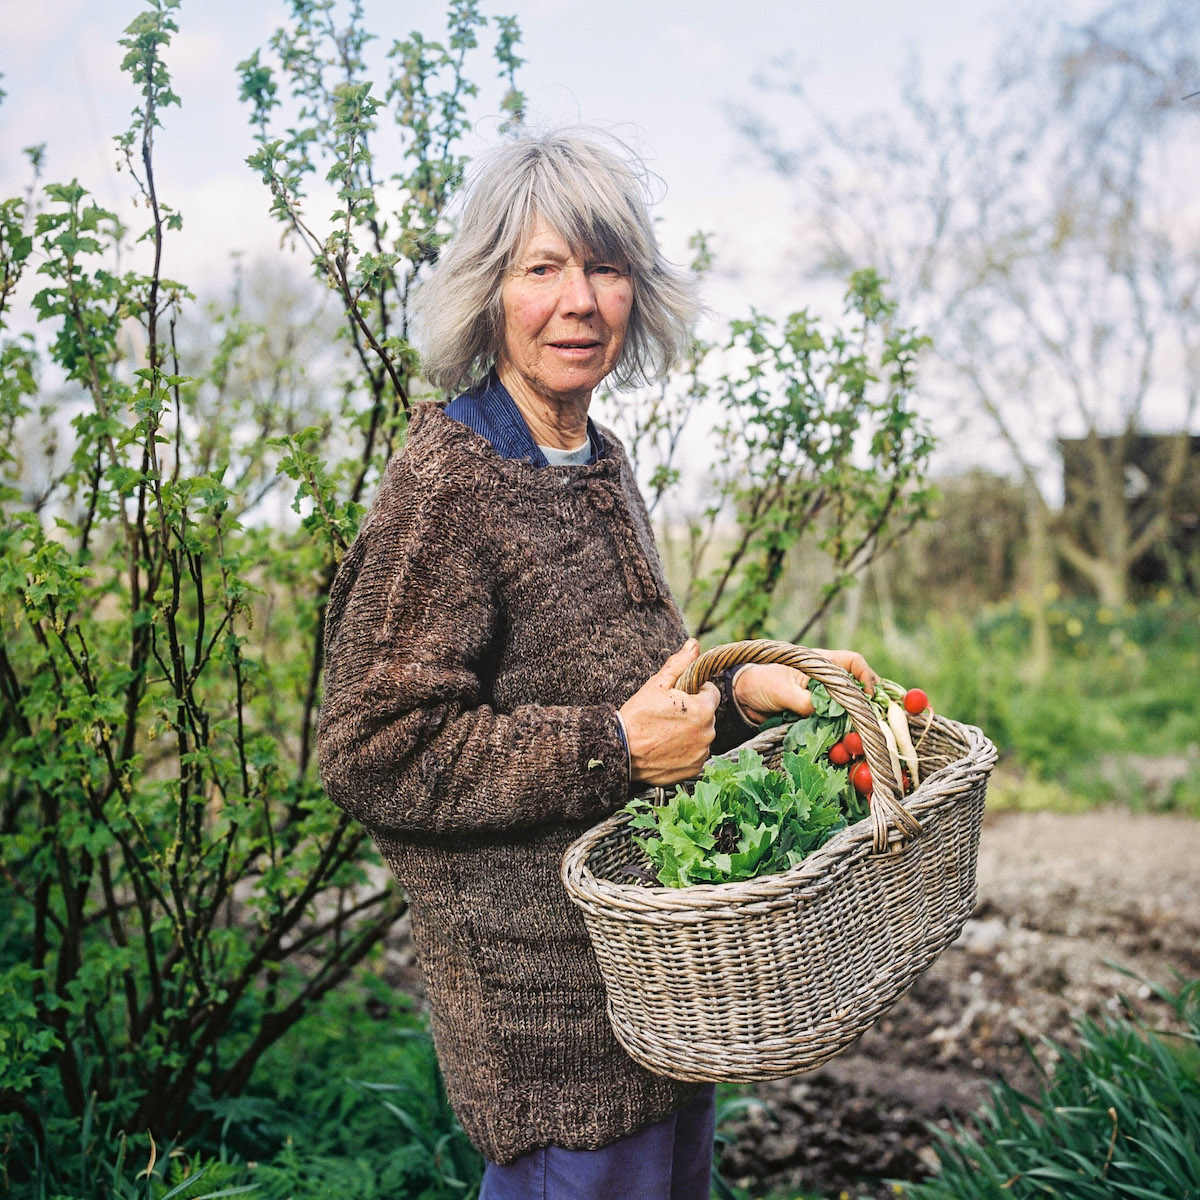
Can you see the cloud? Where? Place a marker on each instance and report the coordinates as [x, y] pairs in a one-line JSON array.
[[703, 52], [28, 30]]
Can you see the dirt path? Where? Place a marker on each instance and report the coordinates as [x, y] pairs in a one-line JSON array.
[[1059, 898]]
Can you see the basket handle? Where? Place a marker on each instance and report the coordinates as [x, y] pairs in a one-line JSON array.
[[887, 813]]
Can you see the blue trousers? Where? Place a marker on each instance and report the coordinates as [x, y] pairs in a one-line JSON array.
[[670, 1160]]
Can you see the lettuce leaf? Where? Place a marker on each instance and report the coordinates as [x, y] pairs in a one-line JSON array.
[[742, 819]]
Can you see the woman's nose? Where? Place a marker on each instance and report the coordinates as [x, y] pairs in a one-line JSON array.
[[577, 296]]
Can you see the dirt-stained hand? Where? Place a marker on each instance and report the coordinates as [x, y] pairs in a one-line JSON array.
[[762, 689], [670, 731]]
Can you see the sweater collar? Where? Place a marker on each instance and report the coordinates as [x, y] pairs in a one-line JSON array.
[[442, 444]]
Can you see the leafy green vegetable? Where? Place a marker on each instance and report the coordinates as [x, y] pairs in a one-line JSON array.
[[742, 819], [824, 705], [812, 737]]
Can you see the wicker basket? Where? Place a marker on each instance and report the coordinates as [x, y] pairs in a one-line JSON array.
[[772, 976]]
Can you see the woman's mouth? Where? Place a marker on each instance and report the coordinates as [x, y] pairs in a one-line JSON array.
[[576, 347]]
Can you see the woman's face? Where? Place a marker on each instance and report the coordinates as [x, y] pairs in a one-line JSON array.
[[564, 318]]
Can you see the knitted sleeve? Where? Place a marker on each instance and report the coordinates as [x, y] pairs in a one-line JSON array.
[[404, 742]]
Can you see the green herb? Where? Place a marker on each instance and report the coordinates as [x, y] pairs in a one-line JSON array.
[[812, 737], [824, 705], [741, 819]]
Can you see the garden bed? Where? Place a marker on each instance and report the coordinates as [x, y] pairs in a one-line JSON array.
[[1061, 897]]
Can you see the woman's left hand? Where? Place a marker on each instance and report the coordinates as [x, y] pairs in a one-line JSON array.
[[763, 689]]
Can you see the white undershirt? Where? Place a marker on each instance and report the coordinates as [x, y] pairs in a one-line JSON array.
[[567, 458]]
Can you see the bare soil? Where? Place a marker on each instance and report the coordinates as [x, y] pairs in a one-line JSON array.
[[1061, 899]]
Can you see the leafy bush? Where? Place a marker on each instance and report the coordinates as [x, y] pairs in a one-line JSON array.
[[178, 893], [819, 443], [1119, 1121]]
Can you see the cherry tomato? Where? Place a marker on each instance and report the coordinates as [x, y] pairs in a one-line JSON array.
[[853, 744], [915, 701], [838, 754], [860, 776]]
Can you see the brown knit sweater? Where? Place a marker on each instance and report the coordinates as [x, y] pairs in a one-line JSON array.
[[482, 631]]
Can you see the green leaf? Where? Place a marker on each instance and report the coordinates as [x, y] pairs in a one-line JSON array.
[[742, 819]]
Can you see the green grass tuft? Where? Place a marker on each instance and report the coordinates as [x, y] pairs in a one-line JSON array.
[[1120, 1120]]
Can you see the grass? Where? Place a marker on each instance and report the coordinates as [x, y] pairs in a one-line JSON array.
[[350, 1103], [1111, 721], [1120, 1120], [353, 1105]]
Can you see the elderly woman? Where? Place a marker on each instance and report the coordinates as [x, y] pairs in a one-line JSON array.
[[501, 654]]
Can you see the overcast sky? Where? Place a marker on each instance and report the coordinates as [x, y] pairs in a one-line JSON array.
[[663, 75]]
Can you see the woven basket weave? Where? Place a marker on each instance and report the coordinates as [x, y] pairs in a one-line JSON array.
[[772, 976]]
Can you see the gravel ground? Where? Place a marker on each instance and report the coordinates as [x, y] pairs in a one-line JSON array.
[[1061, 897]]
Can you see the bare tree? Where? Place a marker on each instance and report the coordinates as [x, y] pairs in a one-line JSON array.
[[1042, 228]]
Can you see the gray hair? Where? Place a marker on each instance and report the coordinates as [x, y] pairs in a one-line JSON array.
[[591, 190]]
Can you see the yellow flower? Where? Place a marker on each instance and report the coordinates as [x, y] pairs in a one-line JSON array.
[[1164, 596], [1074, 627], [1104, 616]]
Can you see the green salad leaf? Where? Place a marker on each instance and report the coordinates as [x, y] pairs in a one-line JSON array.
[[824, 705], [812, 737], [742, 819]]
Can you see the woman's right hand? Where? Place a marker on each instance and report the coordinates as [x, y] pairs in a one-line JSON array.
[[670, 731]]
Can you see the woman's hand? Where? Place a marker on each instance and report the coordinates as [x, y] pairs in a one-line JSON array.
[[670, 731], [763, 689]]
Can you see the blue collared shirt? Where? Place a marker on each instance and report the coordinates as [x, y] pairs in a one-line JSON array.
[[493, 414]]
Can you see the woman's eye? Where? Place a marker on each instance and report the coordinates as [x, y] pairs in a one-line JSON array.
[[605, 269], [541, 270]]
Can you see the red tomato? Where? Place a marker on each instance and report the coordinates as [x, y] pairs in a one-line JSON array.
[[905, 781], [853, 744], [915, 701], [860, 776]]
